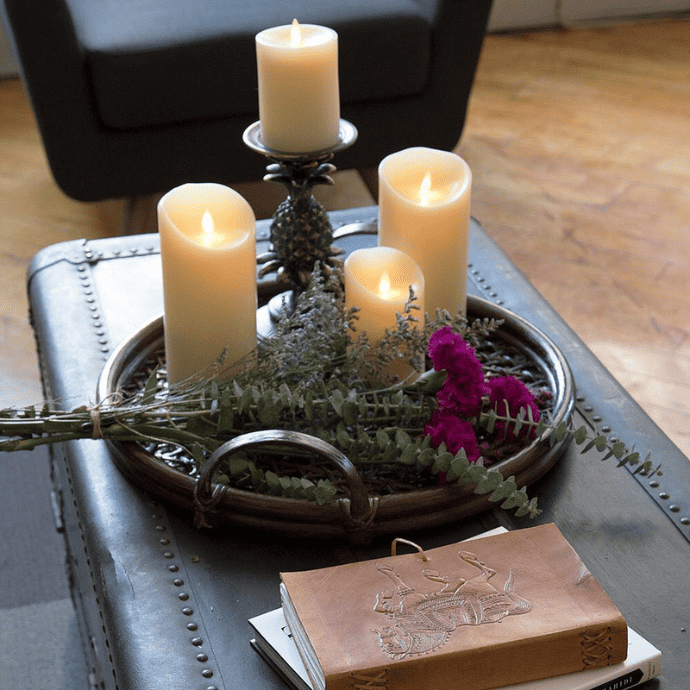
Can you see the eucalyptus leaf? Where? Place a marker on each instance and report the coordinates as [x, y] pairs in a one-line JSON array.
[[382, 439], [237, 465], [409, 455], [343, 437], [198, 454], [504, 490], [459, 466], [580, 435], [402, 439], [390, 453], [442, 462], [324, 492], [561, 431], [257, 475], [618, 449], [309, 405], [349, 412], [476, 473], [426, 457], [337, 400], [633, 458], [490, 482], [215, 392], [273, 482]]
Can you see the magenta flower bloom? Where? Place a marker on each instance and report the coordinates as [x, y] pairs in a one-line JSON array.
[[462, 396], [464, 386], [449, 351], [446, 427], [513, 392]]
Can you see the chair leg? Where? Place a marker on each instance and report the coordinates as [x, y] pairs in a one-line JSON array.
[[140, 214], [370, 177]]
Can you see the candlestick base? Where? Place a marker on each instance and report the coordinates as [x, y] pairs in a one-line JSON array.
[[301, 233], [347, 136], [267, 316]]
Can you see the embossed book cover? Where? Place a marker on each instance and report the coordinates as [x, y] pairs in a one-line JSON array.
[[475, 615]]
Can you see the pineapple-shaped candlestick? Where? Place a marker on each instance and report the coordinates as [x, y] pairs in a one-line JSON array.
[[301, 233]]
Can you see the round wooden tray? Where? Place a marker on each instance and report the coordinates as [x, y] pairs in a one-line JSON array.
[[357, 517]]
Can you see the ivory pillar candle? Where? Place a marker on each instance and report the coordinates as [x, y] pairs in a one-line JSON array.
[[299, 98], [424, 211], [378, 280], [208, 255]]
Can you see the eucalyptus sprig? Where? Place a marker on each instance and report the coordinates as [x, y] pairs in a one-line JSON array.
[[314, 377], [373, 427]]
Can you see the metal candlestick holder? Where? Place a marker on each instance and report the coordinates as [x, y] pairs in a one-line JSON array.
[[301, 233]]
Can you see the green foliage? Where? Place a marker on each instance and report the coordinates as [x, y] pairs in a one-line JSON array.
[[243, 473], [581, 436], [311, 377]]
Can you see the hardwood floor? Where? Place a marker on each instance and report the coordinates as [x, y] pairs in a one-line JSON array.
[[579, 142], [580, 146]]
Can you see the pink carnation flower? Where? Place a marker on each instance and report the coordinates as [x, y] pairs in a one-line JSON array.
[[513, 392], [464, 386], [449, 351], [446, 427]]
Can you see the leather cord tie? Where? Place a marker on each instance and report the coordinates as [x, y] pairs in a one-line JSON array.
[[97, 433], [400, 540]]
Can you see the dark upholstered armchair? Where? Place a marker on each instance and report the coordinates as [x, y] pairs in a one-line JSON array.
[[133, 97]]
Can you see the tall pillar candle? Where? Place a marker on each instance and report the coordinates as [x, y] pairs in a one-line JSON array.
[[424, 211], [208, 254], [299, 98], [378, 281]]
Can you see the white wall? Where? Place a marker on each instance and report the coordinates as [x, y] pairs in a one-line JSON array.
[[522, 14], [8, 66], [526, 14], [573, 12]]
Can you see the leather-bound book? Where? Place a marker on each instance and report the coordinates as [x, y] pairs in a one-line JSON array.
[[475, 615]]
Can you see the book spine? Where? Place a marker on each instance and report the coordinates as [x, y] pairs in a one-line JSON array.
[[630, 678], [493, 667]]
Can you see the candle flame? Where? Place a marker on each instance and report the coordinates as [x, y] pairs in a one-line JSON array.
[[208, 228], [384, 286], [389, 292], [425, 190], [295, 34]]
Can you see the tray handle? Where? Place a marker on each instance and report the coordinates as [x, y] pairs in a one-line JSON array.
[[358, 510]]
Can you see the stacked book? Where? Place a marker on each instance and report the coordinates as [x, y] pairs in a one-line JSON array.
[[510, 609]]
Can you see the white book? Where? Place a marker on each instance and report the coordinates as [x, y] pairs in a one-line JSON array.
[[274, 643]]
